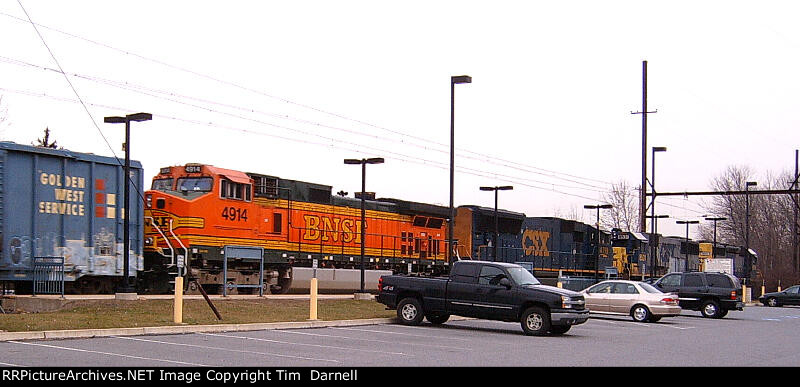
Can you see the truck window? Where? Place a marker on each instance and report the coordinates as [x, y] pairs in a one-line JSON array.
[[671, 280], [466, 273], [490, 275], [718, 281], [693, 279]]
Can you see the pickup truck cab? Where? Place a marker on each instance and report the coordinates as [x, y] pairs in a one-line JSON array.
[[487, 290]]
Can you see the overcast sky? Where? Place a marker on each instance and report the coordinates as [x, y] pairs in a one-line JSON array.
[[292, 88]]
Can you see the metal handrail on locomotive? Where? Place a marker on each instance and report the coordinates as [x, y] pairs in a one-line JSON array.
[[193, 211]]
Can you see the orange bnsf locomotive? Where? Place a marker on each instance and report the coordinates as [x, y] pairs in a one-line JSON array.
[[219, 226]]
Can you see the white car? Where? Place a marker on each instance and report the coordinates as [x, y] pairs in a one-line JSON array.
[[641, 301]]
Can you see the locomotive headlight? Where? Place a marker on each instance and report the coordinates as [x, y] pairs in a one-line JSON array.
[[148, 201], [148, 241]]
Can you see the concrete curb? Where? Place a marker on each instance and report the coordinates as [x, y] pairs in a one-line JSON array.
[[183, 329]]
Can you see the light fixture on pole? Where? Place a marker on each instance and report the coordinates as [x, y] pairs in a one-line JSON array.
[[654, 240], [715, 220], [496, 225], [747, 258], [687, 223], [597, 207], [653, 246], [363, 163], [126, 287], [454, 80]]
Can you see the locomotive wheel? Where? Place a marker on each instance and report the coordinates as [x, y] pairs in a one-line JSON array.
[[284, 282]]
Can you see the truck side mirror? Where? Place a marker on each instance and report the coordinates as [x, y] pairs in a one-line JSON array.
[[505, 282]]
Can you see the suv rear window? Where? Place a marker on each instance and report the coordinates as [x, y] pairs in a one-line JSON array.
[[718, 281]]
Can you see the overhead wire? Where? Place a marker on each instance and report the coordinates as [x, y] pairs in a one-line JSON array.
[[75, 91], [507, 163], [179, 99]]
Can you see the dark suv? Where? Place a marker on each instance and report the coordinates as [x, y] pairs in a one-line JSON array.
[[713, 294]]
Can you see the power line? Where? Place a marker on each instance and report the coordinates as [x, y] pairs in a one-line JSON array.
[[173, 97], [353, 147], [306, 106], [75, 91]]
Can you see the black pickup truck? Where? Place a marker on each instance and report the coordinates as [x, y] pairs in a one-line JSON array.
[[487, 290]]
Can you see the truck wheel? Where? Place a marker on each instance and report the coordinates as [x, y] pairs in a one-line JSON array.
[[409, 311], [710, 309], [437, 318], [535, 321]]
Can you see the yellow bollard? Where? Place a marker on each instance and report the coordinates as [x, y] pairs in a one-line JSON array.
[[744, 294], [313, 298], [177, 314]]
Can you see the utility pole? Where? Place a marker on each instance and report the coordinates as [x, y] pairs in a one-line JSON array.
[[795, 251], [642, 187]]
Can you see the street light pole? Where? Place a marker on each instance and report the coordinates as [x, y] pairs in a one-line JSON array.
[[715, 220], [653, 247], [597, 207], [363, 163], [687, 223], [748, 263], [654, 240], [126, 287], [453, 81], [496, 225]]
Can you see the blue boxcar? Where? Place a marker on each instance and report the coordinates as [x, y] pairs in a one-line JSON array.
[[60, 203], [554, 244]]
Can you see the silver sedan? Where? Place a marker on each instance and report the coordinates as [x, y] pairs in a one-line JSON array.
[[641, 301]]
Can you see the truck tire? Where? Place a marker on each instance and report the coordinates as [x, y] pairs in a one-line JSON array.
[[710, 309], [409, 311], [535, 321], [437, 319]]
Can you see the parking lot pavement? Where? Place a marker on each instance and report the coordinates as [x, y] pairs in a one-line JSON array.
[[754, 337]]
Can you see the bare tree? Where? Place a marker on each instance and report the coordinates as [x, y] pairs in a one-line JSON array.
[[625, 211], [573, 213], [44, 142], [770, 222]]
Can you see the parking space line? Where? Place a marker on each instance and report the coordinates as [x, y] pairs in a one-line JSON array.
[[9, 365], [645, 325], [427, 327], [372, 340], [308, 345], [223, 349], [392, 333], [107, 353]]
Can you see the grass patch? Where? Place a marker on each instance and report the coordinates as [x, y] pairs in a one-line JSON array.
[[98, 314]]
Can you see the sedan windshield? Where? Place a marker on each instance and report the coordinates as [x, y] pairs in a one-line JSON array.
[[522, 276]]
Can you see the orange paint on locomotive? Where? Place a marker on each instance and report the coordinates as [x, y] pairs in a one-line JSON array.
[[203, 205]]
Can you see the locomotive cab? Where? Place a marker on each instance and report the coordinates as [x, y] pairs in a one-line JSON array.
[[192, 213]]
